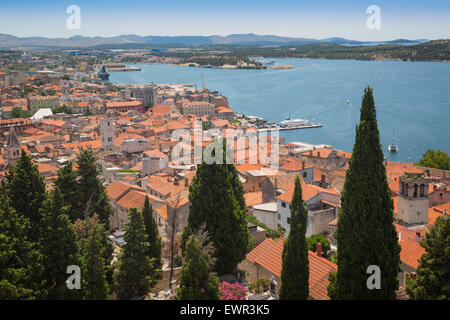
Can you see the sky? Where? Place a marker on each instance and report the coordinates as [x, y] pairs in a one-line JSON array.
[[316, 19]]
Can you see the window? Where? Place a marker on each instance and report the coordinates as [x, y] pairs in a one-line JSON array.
[[304, 174], [288, 220], [283, 204], [279, 216]]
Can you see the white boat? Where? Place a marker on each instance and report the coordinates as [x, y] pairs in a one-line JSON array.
[[392, 147], [293, 122], [268, 62], [347, 102]]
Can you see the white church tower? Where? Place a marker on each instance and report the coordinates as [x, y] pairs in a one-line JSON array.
[[107, 134]]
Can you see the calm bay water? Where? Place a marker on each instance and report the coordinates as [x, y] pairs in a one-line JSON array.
[[412, 97]]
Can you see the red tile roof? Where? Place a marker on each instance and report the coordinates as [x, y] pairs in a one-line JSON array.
[[136, 199], [118, 188], [308, 191], [437, 211]]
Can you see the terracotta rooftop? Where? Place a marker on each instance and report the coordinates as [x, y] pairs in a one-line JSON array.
[[118, 188], [136, 199], [308, 191]]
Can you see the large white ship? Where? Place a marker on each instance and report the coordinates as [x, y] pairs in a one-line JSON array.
[[293, 122]]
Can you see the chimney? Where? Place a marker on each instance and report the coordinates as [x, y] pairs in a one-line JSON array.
[[319, 249], [303, 165]]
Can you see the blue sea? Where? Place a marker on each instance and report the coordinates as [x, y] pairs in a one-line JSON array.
[[411, 98]]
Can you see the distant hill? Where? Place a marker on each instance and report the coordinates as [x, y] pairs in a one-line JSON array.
[[8, 41]]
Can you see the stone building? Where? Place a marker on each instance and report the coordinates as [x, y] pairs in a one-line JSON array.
[[107, 134], [413, 199]]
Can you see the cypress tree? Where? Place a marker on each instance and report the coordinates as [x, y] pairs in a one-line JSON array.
[[238, 191], [295, 270], [214, 203], [84, 229], [26, 190], [433, 272], [59, 247], [68, 186], [196, 280], [20, 260], [366, 235], [136, 274], [91, 189], [151, 229], [93, 266]]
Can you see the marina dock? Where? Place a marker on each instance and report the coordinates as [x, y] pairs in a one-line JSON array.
[[308, 126]]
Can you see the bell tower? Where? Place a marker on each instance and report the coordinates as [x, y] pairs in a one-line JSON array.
[[413, 199], [13, 147], [107, 134]]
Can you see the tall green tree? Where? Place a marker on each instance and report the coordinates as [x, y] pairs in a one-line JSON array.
[[295, 267], [26, 190], [84, 229], [151, 229], [20, 259], [214, 203], [94, 266], [68, 186], [197, 282], [59, 247], [91, 190], [435, 159], [136, 273], [238, 191], [433, 272], [366, 235]]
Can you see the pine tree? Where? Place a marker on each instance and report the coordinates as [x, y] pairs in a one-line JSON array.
[[196, 280], [20, 260], [91, 189], [68, 186], [93, 266], [433, 272], [59, 247], [366, 234], [26, 190], [295, 270], [214, 203], [136, 274], [151, 229]]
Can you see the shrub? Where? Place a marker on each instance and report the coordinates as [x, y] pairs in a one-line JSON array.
[[259, 286], [232, 291]]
